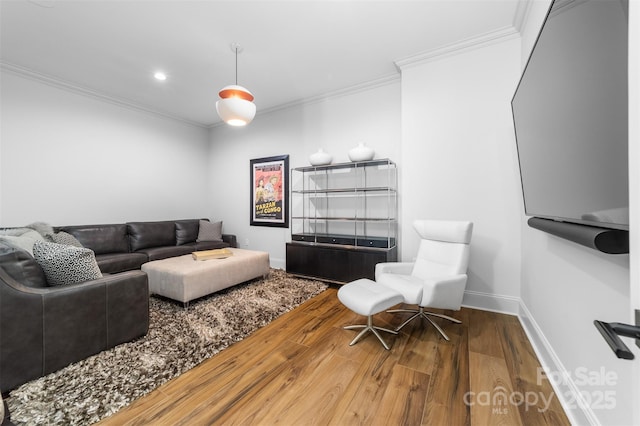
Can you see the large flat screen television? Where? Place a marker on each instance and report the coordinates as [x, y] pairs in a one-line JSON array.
[[570, 116]]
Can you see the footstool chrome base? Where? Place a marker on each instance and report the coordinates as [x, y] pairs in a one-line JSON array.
[[369, 327], [367, 298]]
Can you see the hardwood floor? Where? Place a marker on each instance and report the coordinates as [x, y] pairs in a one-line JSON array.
[[301, 370]]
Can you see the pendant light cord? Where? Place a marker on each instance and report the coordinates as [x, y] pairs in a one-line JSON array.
[[236, 65]]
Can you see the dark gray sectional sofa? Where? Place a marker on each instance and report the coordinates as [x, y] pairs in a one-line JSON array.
[[44, 328], [125, 247]]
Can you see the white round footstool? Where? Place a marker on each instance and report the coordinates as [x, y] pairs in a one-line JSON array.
[[366, 297]]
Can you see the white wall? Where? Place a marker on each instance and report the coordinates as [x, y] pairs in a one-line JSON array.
[[634, 181], [335, 124], [564, 288], [459, 162], [67, 158]]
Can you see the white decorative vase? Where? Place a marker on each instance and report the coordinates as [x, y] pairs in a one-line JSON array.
[[320, 158], [361, 153]]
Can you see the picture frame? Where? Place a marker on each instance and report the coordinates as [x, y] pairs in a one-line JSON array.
[[269, 192]]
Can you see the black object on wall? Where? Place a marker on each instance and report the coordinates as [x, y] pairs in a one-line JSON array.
[[606, 240], [610, 332], [570, 113]]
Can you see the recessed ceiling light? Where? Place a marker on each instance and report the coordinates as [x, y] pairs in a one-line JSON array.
[[160, 76]]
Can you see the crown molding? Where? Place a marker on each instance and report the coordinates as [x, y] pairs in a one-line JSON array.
[[521, 16], [351, 90], [420, 58], [84, 91], [486, 39]]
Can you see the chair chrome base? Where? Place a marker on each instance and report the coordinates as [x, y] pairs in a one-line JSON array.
[[369, 327], [421, 313]]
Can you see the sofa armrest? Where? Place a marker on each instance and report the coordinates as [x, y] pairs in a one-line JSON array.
[[230, 239], [21, 333], [127, 307], [74, 323], [45, 329], [124, 299], [110, 310]]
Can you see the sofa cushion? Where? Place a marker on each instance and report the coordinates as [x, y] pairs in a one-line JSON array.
[[100, 238], [210, 245], [112, 263], [63, 264], [21, 266], [187, 231], [151, 234], [157, 253], [210, 231], [65, 238]]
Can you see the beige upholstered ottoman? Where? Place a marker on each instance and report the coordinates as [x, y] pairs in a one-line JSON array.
[[184, 279]]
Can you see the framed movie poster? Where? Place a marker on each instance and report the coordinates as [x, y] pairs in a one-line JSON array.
[[270, 191]]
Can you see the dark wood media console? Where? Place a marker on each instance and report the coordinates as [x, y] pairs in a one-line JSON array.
[[337, 263]]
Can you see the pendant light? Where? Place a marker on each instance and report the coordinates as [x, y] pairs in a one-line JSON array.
[[236, 106]]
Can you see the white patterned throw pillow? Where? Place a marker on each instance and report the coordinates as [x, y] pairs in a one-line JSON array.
[[64, 264]]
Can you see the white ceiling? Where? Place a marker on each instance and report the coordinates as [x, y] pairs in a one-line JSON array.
[[293, 51]]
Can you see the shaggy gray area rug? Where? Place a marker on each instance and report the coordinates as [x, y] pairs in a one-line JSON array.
[[179, 339]]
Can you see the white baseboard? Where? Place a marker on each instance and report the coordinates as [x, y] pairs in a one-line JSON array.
[[578, 411], [566, 390], [491, 302], [278, 263]]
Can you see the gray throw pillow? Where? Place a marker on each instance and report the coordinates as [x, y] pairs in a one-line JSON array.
[[24, 241], [42, 227], [210, 231], [63, 264], [14, 232], [66, 239]]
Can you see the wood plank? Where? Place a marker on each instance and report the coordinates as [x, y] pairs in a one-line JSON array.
[[445, 403], [367, 389], [483, 333], [135, 413], [307, 385], [300, 369], [403, 400], [528, 378], [491, 392]]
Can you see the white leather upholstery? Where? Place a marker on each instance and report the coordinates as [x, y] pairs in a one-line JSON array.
[[366, 297], [394, 268], [438, 277], [444, 292], [409, 286], [437, 258], [452, 231]]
